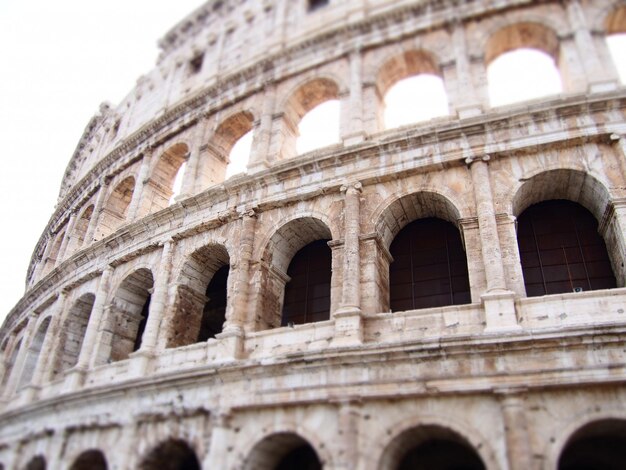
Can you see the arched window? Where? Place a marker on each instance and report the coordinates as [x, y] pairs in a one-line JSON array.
[[432, 448], [283, 451], [80, 229], [214, 312], [178, 183], [429, 267], [229, 149], [561, 250], [239, 155], [90, 460], [616, 39], [201, 297], [36, 463], [129, 314], [311, 117], [307, 293], [171, 454], [319, 127], [159, 190], [412, 88], [115, 210], [522, 64], [11, 362], [73, 333], [598, 445], [33, 354]]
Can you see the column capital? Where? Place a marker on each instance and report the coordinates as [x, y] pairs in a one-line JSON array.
[[351, 188], [473, 158]]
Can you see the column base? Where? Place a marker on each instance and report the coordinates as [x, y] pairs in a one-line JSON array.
[[348, 327], [74, 379], [257, 167], [469, 111], [354, 139], [227, 346], [141, 363], [28, 394], [499, 309]]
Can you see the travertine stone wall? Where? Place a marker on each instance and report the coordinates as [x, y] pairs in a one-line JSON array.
[[510, 377]]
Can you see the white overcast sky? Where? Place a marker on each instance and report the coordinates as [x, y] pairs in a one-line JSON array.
[[59, 60]]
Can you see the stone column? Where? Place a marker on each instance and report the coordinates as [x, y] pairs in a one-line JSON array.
[[238, 312], [188, 186], [497, 300], [595, 71], [351, 126], [88, 349], [67, 238], [518, 449], [217, 456], [158, 304], [262, 136], [465, 99], [348, 319], [16, 372], [349, 415], [140, 182], [47, 354], [97, 211]]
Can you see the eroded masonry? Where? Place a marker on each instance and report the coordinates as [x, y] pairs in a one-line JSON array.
[[449, 292]]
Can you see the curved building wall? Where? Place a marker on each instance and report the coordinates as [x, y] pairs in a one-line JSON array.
[[105, 358]]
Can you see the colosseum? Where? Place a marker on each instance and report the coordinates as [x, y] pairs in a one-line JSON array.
[[444, 294]]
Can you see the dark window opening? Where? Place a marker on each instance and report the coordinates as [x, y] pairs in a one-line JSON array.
[[142, 324], [307, 294], [195, 64], [300, 458], [173, 454], [599, 446], [429, 267], [317, 4], [214, 313], [561, 250], [439, 454]]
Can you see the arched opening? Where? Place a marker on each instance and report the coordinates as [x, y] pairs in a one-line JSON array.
[[412, 88], [51, 261], [430, 448], [201, 297], [159, 189], [36, 463], [283, 451], [72, 334], [10, 364], [408, 273], [33, 353], [616, 40], [129, 314], [561, 250], [522, 64], [173, 454], [307, 293], [239, 155], [90, 460], [177, 186], [319, 127], [81, 227], [600, 445], [429, 267], [319, 98], [230, 147], [116, 208], [281, 304]]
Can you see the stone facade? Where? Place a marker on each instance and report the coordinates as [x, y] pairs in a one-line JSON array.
[[513, 379]]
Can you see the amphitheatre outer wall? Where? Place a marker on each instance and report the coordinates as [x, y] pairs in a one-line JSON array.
[[514, 378]]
